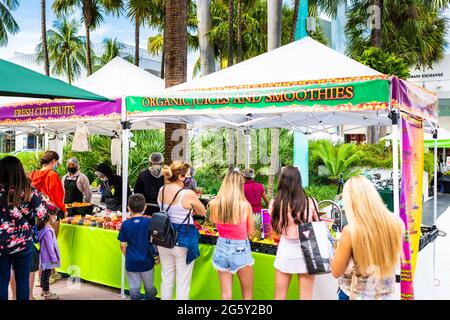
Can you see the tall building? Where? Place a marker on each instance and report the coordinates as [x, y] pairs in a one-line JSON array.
[[436, 79]]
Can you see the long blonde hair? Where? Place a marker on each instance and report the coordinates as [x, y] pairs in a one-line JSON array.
[[376, 233], [228, 207]]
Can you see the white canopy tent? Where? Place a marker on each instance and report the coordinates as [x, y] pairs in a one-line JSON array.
[[302, 65], [442, 135], [300, 61], [305, 59], [120, 78]]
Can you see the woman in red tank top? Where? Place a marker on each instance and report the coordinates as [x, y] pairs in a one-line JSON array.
[[232, 214]]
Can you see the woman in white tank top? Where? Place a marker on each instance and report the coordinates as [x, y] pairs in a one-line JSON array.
[[177, 263]]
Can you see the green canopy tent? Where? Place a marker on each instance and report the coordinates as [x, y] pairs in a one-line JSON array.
[[17, 81], [443, 140]]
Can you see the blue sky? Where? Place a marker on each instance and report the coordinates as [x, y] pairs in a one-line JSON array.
[[28, 16], [29, 19]]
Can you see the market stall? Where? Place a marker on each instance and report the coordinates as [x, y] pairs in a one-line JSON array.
[[93, 254], [304, 86], [61, 117], [307, 87]]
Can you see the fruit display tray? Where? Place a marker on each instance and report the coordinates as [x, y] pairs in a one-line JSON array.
[[256, 247], [429, 234]]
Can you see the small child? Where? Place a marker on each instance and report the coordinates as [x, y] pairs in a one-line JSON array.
[[49, 251], [139, 253]]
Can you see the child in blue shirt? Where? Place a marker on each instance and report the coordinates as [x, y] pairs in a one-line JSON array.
[[139, 253]]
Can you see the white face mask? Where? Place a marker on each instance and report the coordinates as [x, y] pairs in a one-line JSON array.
[[156, 170]]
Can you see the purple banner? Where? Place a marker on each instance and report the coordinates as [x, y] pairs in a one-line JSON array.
[[411, 199], [45, 110], [415, 99]]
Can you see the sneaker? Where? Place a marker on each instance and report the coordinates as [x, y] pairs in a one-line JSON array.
[[51, 280], [57, 276], [50, 296]]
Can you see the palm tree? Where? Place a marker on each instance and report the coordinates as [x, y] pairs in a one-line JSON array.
[[139, 11], [295, 19], [337, 159], [111, 49], [414, 30], [230, 32], [175, 47], [274, 24], [155, 44], [254, 29], [239, 31], [7, 22], [274, 159], [44, 37], [274, 41], [66, 49], [93, 11], [207, 60]]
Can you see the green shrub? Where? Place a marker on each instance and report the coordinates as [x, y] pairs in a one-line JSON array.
[[28, 159], [375, 156], [322, 192], [339, 159]]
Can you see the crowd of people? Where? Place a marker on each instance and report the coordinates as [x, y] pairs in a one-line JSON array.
[[32, 206]]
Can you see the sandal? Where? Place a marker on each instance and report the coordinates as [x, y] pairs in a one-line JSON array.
[[50, 296]]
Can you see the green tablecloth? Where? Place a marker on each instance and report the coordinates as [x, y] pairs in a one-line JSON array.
[[94, 255]]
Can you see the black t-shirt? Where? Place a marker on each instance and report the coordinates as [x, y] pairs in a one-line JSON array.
[[112, 193], [149, 186]]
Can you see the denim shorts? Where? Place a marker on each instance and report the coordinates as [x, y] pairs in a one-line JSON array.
[[232, 255]]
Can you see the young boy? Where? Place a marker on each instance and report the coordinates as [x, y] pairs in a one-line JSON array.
[[139, 253]]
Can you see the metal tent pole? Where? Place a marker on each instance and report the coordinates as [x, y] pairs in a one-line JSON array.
[[125, 150], [248, 147], [435, 137], [395, 162]]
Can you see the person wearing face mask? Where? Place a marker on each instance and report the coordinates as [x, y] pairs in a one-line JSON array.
[[190, 182], [48, 182], [76, 184], [150, 181], [180, 204], [111, 187]]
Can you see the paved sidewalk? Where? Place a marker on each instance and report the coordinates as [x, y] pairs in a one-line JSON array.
[[66, 290]]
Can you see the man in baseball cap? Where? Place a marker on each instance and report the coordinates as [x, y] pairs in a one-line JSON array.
[[150, 181]]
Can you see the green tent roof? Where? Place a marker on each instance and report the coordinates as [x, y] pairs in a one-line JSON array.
[[17, 81]]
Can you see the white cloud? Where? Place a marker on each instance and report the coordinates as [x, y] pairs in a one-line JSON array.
[[102, 32], [24, 42]]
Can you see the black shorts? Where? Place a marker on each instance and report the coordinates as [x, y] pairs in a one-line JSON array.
[[34, 259]]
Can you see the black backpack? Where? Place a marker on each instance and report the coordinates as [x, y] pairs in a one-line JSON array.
[[162, 232]]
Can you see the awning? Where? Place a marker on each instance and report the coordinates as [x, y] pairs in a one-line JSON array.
[[17, 81]]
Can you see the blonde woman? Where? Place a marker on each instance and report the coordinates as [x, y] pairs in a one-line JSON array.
[[180, 204], [370, 246], [233, 217]]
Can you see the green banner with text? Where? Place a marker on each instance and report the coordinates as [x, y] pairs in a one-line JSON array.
[[369, 95]]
